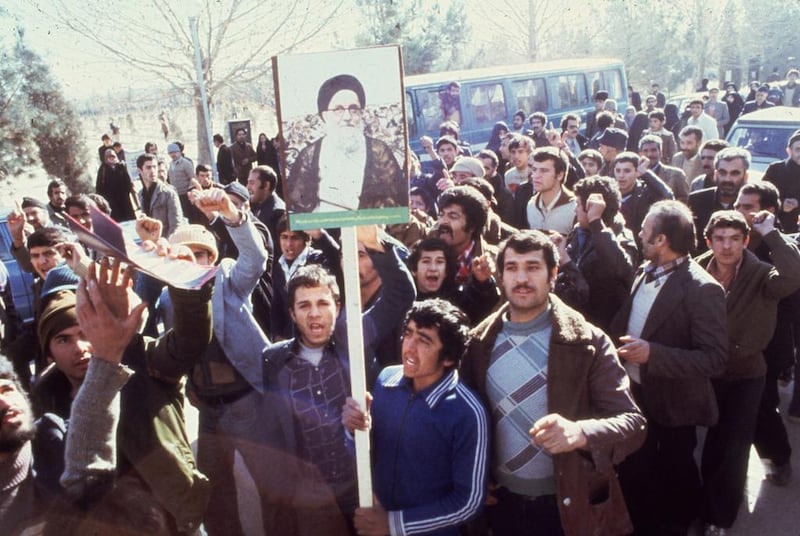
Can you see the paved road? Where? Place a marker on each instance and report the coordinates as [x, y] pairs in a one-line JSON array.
[[770, 510]]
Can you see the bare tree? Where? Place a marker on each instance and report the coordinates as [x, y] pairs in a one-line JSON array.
[[767, 40], [237, 39], [530, 28], [649, 37], [707, 26]]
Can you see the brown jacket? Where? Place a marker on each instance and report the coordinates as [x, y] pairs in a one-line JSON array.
[[691, 167], [675, 179], [752, 304], [586, 383]]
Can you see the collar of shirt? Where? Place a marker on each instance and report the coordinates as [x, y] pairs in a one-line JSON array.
[[660, 273], [574, 145], [547, 208], [625, 198], [295, 348], [432, 394], [299, 261], [583, 235], [716, 273]]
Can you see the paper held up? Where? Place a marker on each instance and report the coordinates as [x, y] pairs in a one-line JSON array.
[[109, 239]]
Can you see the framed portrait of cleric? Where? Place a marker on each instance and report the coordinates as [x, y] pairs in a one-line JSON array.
[[342, 120]]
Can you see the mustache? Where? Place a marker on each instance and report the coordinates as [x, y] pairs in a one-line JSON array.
[[522, 287], [444, 228]]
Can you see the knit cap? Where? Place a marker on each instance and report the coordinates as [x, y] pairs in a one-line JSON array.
[[469, 164], [59, 278], [195, 235], [58, 315]]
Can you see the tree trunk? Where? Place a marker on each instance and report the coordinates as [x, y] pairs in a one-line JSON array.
[[203, 150], [532, 31]]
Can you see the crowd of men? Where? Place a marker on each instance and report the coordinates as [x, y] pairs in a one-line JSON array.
[[542, 340]]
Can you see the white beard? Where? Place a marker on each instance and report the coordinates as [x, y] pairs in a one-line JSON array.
[[341, 168]]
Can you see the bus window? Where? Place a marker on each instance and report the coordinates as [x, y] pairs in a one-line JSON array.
[[450, 97], [595, 83], [411, 116], [431, 107], [530, 95], [571, 92], [613, 84], [487, 103], [584, 99]]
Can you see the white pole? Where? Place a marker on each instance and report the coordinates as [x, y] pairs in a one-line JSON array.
[[355, 348]]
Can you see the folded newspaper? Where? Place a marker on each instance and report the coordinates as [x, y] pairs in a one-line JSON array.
[[108, 238]]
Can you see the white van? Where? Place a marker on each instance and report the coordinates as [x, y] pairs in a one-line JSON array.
[[765, 134]]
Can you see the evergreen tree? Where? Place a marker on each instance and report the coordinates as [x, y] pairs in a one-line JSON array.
[[55, 125], [35, 119], [432, 39], [17, 148]]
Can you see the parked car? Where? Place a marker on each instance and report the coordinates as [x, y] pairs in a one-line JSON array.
[[765, 134], [682, 100]]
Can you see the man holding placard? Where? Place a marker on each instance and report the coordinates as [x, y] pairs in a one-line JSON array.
[[306, 381]]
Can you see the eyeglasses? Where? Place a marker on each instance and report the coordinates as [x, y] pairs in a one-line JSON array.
[[353, 109]]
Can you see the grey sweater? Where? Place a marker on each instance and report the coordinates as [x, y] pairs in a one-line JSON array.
[[91, 440]]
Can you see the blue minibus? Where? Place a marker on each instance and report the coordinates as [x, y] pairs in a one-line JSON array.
[[493, 94]]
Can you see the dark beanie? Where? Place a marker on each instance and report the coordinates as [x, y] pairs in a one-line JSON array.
[[614, 137], [32, 202], [59, 278], [58, 315], [794, 138]]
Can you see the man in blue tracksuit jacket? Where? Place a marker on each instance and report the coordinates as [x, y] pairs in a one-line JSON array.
[[430, 432]]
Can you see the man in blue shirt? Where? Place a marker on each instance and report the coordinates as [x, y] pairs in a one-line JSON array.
[[430, 434]]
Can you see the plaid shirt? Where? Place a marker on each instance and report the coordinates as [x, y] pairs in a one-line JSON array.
[[659, 273]]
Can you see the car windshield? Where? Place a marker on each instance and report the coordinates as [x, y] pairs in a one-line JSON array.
[[761, 141]]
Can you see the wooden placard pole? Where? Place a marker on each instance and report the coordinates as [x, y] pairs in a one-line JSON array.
[[355, 349]]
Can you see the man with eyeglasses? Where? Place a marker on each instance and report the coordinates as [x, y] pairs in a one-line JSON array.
[[345, 169], [570, 131]]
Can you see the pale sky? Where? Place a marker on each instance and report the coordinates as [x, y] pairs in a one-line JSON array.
[[82, 68], [85, 72]]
